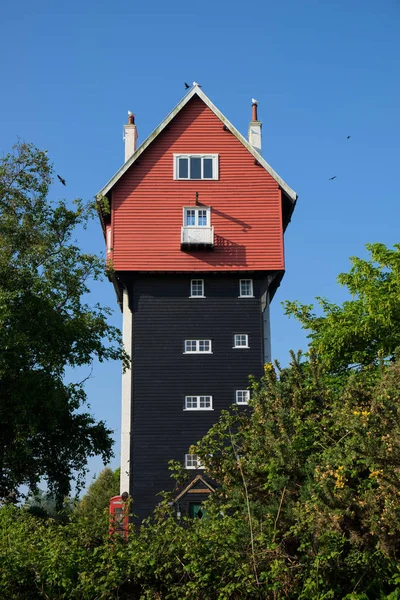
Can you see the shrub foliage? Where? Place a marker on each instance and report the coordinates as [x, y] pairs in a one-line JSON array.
[[307, 507]]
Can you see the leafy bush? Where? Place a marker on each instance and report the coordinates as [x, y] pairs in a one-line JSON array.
[[307, 507]]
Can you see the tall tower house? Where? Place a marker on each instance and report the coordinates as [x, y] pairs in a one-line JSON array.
[[194, 232]]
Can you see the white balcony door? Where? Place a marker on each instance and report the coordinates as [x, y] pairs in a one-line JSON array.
[[197, 217]]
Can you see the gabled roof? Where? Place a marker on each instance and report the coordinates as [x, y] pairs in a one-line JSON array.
[[192, 486], [196, 91]]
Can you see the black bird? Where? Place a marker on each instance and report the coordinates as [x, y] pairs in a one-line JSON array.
[[187, 86], [330, 178], [348, 137], [62, 180]]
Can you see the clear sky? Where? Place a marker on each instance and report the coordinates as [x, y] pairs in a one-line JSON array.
[[321, 70]]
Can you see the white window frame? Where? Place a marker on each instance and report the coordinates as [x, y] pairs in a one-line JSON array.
[[196, 400], [197, 344], [215, 165], [191, 289], [244, 394], [192, 461], [196, 209], [236, 340], [251, 294]]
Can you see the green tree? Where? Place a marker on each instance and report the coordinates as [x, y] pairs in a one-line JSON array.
[[368, 325], [95, 503], [46, 325]]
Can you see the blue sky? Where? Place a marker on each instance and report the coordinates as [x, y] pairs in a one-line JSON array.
[[321, 71]]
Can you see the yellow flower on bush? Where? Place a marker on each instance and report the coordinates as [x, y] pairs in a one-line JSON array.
[[375, 474], [340, 477]]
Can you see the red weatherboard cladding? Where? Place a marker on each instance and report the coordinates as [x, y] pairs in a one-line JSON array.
[[245, 203]]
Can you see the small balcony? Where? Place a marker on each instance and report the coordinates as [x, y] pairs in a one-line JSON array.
[[197, 237]]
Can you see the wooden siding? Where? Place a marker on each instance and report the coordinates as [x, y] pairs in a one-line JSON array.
[[245, 203], [162, 375]]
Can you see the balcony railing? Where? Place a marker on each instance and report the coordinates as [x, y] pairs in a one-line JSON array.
[[197, 236]]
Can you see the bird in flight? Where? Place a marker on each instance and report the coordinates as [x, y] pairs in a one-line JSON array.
[[195, 83], [348, 137], [62, 180], [331, 178], [187, 86]]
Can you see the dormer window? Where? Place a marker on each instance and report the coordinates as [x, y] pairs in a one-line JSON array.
[[195, 166]]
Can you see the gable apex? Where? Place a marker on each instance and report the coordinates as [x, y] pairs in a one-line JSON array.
[[197, 91], [193, 485]]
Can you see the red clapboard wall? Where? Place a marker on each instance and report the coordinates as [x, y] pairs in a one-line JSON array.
[[147, 203]]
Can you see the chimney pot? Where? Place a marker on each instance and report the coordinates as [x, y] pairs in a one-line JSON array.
[[130, 136], [255, 127]]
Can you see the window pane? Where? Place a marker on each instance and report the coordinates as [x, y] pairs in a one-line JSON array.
[[192, 461], [190, 217], [195, 167], [198, 402], [196, 510], [191, 401], [202, 218], [205, 401], [241, 339], [197, 287], [183, 168], [204, 345], [207, 168], [246, 287], [242, 396]]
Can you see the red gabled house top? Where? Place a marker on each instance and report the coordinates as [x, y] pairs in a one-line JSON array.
[[247, 204]]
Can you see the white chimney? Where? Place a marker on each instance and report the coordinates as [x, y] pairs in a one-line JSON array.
[[255, 128], [131, 136]]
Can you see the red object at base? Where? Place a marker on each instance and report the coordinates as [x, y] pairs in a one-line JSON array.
[[119, 518]]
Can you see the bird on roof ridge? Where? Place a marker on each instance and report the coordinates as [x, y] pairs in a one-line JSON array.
[[195, 83]]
